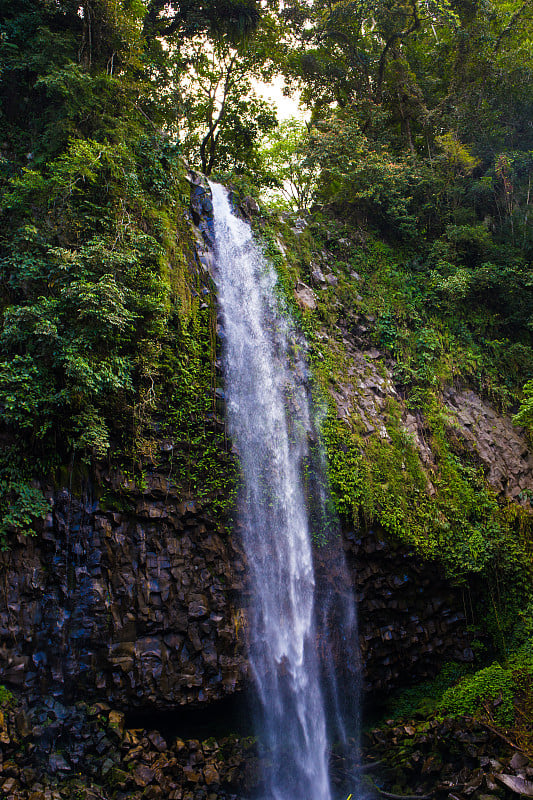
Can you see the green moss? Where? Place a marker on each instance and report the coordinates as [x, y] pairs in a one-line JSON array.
[[113, 501], [493, 691], [7, 699], [201, 463], [423, 699], [445, 509]]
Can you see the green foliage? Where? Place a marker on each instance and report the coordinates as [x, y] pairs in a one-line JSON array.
[[81, 300], [7, 699], [230, 17], [289, 171], [456, 158], [200, 461], [449, 514], [223, 117], [20, 506], [524, 416], [422, 700], [443, 507], [361, 178], [96, 271], [493, 690], [101, 325], [419, 131]]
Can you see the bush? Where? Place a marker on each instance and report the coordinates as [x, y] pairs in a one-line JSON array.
[[493, 692]]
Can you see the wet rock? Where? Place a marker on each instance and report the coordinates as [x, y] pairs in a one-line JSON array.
[[305, 296], [152, 577], [152, 793], [519, 761], [155, 577], [211, 775], [250, 207], [23, 724], [134, 765], [97, 709], [143, 775], [476, 427], [107, 766], [198, 608], [492, 438], [402, 635], [317, 275], [202, 207], [490, 782], [516, 784], [57, 763], [116, 722], [157, 741], [191, 774]]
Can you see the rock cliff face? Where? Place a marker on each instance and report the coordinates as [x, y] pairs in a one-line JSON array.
[[141, 605], [134, 606], [411, 619], [52, 751], [498, 445], [56, 752], [489, 437], [143, 608]]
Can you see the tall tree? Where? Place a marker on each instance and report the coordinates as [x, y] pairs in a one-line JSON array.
[[223, 118]]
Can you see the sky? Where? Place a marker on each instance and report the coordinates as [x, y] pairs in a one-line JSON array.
[[273, 92]]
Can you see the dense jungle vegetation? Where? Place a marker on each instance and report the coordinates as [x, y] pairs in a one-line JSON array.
[[414, 169]]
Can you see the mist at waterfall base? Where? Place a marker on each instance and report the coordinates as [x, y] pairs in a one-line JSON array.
[[302, 631]]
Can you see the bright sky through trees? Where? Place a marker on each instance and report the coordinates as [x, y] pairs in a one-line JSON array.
[[286, 107]]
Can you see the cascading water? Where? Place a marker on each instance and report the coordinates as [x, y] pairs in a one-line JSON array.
[[271, 424]]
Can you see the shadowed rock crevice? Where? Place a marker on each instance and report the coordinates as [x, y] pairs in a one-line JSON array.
[[411, 618], [218, 719]]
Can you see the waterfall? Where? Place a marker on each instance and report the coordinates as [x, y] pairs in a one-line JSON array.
[[271, 424]]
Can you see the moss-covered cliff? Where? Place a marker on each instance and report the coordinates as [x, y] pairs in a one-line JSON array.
[[420, 438]]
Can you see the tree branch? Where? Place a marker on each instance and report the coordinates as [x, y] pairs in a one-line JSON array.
[[392, 41], [390, 796]]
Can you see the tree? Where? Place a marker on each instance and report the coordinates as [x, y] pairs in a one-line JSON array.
[[188, 18], [287, 164], [347, 45], [223, 119]]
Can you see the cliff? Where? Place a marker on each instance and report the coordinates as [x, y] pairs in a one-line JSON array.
[[135, 594], [132, 593]]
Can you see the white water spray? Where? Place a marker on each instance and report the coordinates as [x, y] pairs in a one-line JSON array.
[[270, 421]]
